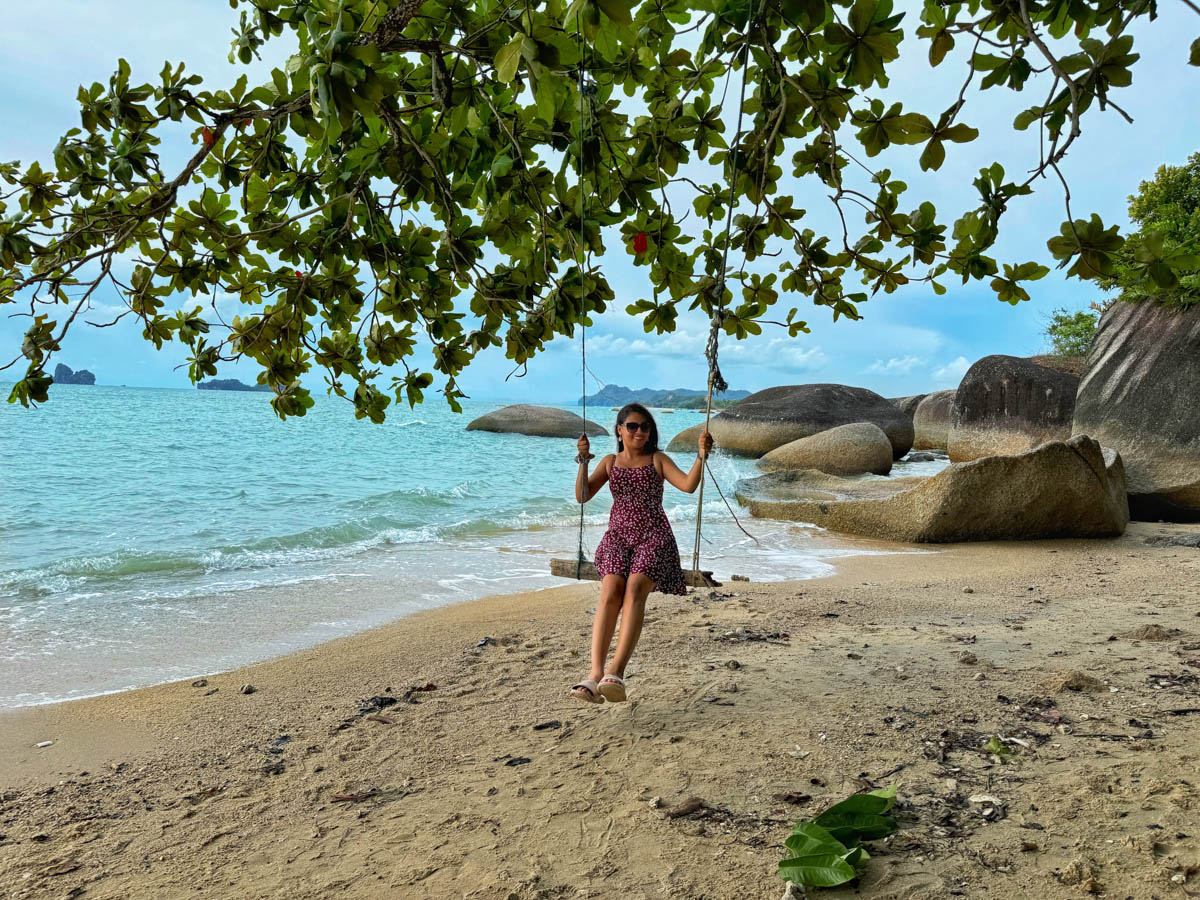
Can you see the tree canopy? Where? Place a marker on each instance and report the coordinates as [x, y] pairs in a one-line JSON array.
[[444, 172], [1161, 260]]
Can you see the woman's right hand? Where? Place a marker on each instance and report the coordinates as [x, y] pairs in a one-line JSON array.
[[584, 446]]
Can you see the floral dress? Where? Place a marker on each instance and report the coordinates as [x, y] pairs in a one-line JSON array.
[[639, 537]]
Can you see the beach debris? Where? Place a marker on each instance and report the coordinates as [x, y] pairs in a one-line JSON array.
[[200, 682], [853, 655], [998, 748], [248, 689], [827, 850], [543, 726], [799, 752], [376, 703], [967, 658], [518, 761], [275, 767], [382, 720], [686, 807], [656, 802], [42, 745], [794, 797], [356, 796], [1072, 680], [968, 590], [733, 664], [792, 891], [1029, 847], [743, 634], [965, 638], [210, 692], [717, 701], [484, 642]]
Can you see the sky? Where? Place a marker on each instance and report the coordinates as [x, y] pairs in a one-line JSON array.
[[908, 342]]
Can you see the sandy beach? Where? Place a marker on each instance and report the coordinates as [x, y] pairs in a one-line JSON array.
[[440, 756]]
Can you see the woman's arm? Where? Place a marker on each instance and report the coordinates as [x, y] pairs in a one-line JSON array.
[[672, 473], [586, 486]]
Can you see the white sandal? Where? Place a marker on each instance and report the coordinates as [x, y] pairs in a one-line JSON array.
[[612, 688], [587, 691]]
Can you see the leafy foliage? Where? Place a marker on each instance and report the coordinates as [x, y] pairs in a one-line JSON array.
[[827, 851], [1161, 260], [1071, 333], [436, 176]]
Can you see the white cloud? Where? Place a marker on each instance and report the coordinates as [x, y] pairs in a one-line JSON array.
[[897, 365], [790, 353], [951, 373]]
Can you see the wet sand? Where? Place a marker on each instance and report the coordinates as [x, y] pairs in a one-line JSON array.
[[768, 702]]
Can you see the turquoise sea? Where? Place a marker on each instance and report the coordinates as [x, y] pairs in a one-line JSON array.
[[148, 535]]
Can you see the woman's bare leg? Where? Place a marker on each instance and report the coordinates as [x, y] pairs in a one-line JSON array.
[[612, 595], [633, 610]]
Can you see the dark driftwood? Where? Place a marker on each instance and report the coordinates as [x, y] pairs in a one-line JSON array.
[[566, 568]]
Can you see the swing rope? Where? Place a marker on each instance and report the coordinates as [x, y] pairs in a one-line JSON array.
[[716, 382], [584, 260]]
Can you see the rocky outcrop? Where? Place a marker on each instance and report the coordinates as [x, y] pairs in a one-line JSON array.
[[231, 384], [64, 375], [1060, 489], [931, 421], [1006, 405], [688, 439], [774, 417], [845, 450], [539, 421], [1139, 396], [907, 404]]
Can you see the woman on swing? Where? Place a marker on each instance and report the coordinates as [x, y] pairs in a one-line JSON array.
[[638, 553]]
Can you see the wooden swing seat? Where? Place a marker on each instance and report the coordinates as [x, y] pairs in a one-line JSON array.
[[566, 568]]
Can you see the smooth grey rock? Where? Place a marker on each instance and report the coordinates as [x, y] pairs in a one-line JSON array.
[[1139, 396], [931, 421], [539, 421], [1006, 405], [845, 450], [688, 439], [1059, 489], [907, 404], [774, 417]]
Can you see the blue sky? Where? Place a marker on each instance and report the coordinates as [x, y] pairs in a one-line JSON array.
[[909, 342]]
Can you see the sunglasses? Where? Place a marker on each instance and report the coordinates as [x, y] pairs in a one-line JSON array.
[[638, 426]]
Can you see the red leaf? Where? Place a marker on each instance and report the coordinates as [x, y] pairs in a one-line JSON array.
[[209, 137], [299, 274], [639, 242]]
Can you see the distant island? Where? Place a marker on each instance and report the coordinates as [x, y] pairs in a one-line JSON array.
[[64, 375], [229, 384], [681, 398]]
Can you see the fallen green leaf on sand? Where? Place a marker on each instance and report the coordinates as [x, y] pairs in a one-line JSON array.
[[828, 850]]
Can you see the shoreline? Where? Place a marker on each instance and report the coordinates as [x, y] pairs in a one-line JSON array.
[[375, 599], [769, 700]]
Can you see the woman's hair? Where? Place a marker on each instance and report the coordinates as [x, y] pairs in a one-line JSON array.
[[652, 441]]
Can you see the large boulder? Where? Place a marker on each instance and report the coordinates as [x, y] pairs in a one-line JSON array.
[[540, 421], [1006, 405], [846, 450], [1068, 488], [907, 404], [1139, 397], [931, 421], [774, 417], [688, 439]]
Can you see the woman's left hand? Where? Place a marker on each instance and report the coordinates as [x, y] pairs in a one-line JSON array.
[[705, 444]]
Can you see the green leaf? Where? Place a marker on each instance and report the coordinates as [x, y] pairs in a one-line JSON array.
[[1194, 58], [508, 59], [617, 10]]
